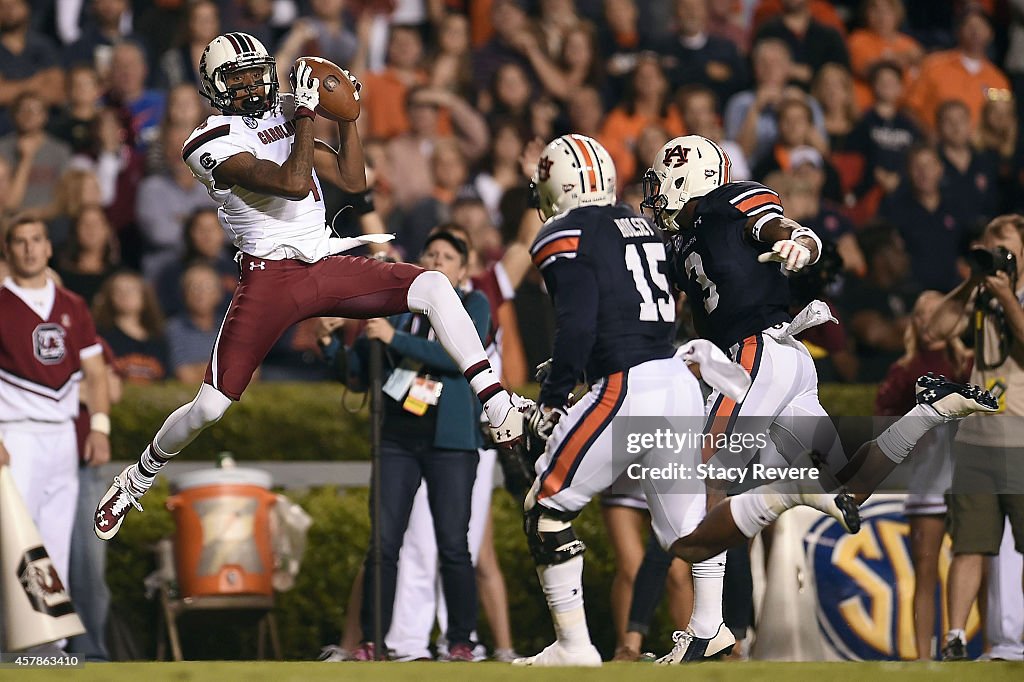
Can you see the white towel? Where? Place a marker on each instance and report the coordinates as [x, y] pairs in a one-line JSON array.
[[716, 369], [339, 244]]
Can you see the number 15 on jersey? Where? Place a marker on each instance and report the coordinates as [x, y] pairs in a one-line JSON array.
[[644, 262]]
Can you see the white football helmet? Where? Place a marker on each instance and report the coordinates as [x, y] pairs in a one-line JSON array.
[[574, 170], [231, 52], [685, 168]]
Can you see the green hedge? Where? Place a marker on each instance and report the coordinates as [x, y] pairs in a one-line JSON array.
[[306, 422], [282, 421]]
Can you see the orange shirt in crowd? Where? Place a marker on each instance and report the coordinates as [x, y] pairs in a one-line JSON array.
[[621, 131], [866, 48], [944, 77], [383, 102]]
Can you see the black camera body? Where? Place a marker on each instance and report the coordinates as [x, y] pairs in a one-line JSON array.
[[987, 262]]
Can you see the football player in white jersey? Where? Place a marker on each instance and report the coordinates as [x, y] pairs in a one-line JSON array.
[[259, 159]]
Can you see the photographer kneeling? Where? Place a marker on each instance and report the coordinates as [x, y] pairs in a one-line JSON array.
[[988, 455], [430, 433]]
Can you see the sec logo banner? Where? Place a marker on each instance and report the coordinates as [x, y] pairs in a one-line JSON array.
[[865, 586]]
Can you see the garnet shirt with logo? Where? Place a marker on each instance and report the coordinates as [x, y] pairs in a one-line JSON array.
[[40, 357]]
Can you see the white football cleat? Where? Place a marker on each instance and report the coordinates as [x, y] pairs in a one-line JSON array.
[[689, 648], [512, 429], [952, 400], [556, 655], [114, 506]]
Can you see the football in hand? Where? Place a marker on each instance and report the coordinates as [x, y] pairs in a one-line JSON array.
[[339, 99]]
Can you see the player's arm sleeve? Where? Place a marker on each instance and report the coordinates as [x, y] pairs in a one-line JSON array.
[[573, 286], [207, 150], [431, 353]]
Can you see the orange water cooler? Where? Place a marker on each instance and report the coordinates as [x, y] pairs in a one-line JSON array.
[[222, 542]]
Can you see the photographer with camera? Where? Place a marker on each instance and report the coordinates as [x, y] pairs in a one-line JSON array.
[[987, 455]]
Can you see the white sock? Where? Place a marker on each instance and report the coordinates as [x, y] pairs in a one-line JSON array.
[[563, 589], [760, 507], [432, 294], [898, 440], [956, 634], [708, 584], [140, 476]]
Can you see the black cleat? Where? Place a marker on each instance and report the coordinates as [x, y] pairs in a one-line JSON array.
[[952, 400]]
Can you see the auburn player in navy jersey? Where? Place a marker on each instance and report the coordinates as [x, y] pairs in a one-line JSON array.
[[604, 267], [730, 248]]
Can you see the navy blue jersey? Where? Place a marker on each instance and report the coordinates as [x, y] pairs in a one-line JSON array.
[[731, 294], [605, 269]]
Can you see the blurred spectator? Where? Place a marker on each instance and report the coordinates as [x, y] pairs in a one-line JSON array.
[[750, 116], [180, 64], [12, 189], [963, 73], [500, 170], [970, 176], [185, 111], [323, 33], [812, 44], [878, 306], [42, 156], [694, 56], [621, 44], [1014, 62], [77, 189], [126, 87], [129, 319], [880, 40], [833, 88], [699, 108], [557, 18], [383, 105], [120, 168], [510, 22], [585, 117], [29, 61], [450, 172], [109, 23], [163, 203], [191, 334], [647, 102], [412, 152], [728, 19], [999, 133], [470, 215], [510, 96], [884, 133], [75, 122], [930, 467], [798, 143], [264, 20], [90, 255], [205, 242], [648, 143], [578, 62], [927, 220], [823, 11], [451, 67]]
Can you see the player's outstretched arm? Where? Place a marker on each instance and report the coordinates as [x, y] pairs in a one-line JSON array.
[[792, 244]]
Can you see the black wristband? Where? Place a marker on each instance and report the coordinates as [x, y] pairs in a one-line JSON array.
[[362, 202]]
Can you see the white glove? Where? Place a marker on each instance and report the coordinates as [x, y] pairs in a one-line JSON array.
[[355, 83], [793, 255], [307, 88]]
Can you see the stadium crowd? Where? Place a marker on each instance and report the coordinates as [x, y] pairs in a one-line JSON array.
[[888, 127]]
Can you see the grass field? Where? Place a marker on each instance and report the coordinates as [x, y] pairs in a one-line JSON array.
[[485, 672]]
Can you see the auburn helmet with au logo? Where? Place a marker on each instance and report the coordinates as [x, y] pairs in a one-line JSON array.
[[574, 170], [685, 168]]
